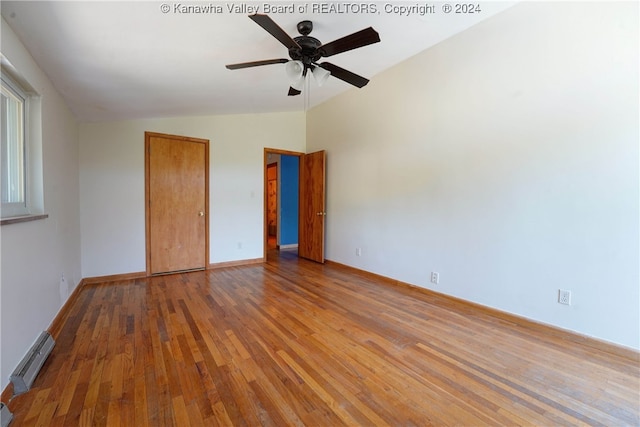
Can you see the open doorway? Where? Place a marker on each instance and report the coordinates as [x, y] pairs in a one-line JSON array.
[[281, 201], [300, 219]]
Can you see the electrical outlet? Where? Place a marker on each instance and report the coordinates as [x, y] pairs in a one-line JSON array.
[[564, 297], [435, 277], [358, 251], [239, 245]]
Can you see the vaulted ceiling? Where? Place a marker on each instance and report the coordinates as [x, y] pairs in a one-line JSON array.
[[137, 59]]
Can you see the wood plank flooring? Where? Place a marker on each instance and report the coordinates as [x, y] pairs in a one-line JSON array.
[[296, 343]]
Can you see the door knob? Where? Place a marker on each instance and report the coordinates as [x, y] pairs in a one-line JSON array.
[[200, 213]]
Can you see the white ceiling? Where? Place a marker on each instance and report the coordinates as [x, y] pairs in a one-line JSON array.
[[127, 60]]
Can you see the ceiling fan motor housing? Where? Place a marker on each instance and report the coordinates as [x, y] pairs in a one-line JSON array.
[[309, 51]]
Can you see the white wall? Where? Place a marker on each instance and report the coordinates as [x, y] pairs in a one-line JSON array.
[[504, 158], [35, 254], [112, 185]]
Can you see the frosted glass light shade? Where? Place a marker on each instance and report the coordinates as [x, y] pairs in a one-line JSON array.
[[321, 75], [294, 70], [298, 84]]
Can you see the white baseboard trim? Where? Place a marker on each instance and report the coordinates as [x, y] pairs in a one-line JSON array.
[[288, 247]]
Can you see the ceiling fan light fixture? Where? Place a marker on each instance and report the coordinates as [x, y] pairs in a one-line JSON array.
[[299, 84], [320, 75], [294, 70]]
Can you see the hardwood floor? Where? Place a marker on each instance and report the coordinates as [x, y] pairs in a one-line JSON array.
[[292, 342]]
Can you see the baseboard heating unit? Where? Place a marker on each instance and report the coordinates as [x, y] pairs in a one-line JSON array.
[[27, 370], [5, 415]]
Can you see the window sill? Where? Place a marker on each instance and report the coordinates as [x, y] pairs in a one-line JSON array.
[[23, 218]]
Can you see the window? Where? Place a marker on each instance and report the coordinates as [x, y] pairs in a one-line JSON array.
[[21, 173], [13, 155]]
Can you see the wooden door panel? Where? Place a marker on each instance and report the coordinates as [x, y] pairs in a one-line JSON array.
[[312, 206], [272, 200], [177, 204]]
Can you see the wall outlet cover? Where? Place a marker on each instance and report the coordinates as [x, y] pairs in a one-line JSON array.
[[564, 297]]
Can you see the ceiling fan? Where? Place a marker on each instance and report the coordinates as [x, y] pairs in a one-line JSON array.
[[305, 52]]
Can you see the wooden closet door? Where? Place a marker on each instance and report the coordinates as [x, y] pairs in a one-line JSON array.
[[177, 201]]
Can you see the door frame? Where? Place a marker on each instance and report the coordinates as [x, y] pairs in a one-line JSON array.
[[147, 137], [265, 220]]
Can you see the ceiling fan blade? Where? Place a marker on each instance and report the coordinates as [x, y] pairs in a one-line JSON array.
[[344, 75], [256, 63], [294, 92], [353, 41], [272, 28]]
